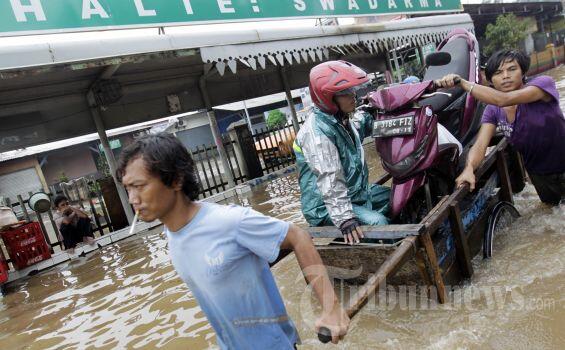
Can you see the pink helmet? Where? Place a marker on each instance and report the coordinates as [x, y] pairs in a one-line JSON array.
[[329, 78]]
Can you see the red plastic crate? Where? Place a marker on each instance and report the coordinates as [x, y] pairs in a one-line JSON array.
[[26, 245], [3, 269]]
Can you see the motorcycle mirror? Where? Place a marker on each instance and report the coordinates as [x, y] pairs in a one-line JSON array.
[[438, 59]]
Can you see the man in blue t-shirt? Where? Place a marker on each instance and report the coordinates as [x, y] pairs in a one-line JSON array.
[[223, 252]]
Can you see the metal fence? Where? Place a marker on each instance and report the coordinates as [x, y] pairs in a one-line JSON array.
[[209, 168], [274, 147]]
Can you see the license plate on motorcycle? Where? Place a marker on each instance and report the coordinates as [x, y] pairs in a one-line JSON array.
[[394, 127]]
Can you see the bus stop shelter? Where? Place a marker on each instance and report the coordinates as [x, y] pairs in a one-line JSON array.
[[53, 91]]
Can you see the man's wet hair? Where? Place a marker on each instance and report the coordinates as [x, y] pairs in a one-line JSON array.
[[166, 157], [59, 199], [502, 56]]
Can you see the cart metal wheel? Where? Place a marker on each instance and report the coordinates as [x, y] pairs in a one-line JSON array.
[[502, 215]]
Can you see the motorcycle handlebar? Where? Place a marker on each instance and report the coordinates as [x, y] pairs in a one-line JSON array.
[[324, 335], [435, 85]]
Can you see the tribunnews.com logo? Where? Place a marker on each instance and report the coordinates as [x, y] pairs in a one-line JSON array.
[[469, 298], [424, 298]]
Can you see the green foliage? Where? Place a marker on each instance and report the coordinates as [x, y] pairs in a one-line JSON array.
[[557, 25], [507, 33], [276, 119], [102, 165], [63, 177], [93, 188]]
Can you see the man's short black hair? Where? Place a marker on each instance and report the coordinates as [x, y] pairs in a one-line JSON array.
[[59, 199], [502, 56], [166, 157]]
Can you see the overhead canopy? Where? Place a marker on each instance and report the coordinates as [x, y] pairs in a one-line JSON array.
[[258, 102], [43, 87]]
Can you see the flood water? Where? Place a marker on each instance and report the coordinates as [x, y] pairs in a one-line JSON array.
[[128, 295]]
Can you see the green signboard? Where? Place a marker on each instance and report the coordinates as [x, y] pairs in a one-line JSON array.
[[428, 49], [113, 145], [19, 17]]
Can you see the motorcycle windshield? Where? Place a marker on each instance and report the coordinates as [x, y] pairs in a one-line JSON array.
[[393, 97]]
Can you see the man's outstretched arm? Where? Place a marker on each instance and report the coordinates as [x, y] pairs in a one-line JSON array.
[[333, 316]]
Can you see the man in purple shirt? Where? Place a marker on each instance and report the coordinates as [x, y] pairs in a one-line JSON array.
[[528, 114]]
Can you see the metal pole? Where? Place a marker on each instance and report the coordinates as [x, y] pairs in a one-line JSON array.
[[248, 118], [397, 66], [421, 55], [388, 68], [109, 156], [289, 100], [216, 132]]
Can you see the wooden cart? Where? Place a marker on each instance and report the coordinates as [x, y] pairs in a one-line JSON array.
[[437, 251]]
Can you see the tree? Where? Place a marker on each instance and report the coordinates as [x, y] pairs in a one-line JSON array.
[[507, 33], [63, 177], [102, 165], [276, 119]]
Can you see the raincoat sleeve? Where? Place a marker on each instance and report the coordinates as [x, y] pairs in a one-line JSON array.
[[363, 122], [322, 156]]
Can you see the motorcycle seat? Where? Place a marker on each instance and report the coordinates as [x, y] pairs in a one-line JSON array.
[[459, 51]]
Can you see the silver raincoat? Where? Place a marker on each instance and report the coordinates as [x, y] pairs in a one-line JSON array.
[[333, 175]]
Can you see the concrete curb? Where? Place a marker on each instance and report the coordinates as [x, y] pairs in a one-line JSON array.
[[247, 186], [63, 256]]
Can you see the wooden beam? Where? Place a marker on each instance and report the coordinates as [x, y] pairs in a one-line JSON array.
[[432, 258], [388, 268], [490, 158], [372, 232], [461, 246], [436, 216], [441, 211], [421, 263], [505, 185]]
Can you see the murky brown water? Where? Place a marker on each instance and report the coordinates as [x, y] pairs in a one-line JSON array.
[[128, 295]]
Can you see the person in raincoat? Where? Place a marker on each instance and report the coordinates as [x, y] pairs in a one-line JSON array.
[[333, 174]]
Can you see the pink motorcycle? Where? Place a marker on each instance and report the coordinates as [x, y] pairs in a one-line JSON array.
[[406, 128]]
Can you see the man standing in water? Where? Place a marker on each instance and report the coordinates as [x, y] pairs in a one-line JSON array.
[[528, 114], [222, 252]]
